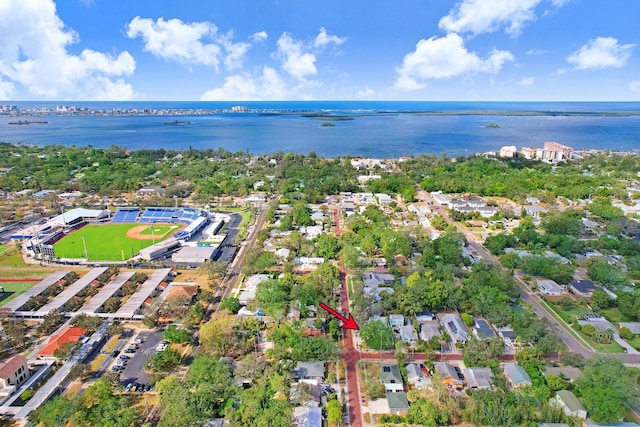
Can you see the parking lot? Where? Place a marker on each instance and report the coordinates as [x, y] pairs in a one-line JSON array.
[[134, 371]]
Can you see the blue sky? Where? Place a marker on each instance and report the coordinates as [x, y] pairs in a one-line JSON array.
[[515, 50]]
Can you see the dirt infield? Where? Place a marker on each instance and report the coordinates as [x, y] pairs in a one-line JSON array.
[[137, 232]]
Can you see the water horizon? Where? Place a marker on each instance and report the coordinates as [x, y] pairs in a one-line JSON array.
[[375, 135]]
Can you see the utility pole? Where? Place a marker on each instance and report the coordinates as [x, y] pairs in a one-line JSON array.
[[84, 243]]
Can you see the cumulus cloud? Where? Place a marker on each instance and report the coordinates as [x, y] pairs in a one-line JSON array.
[[258, 37], [324, 39], [603, 52], [482, 16], [486, 16], [527, 81], [245, 87], [34, 54], [445, 57], [194, 43], [299, 58], [295, 60]]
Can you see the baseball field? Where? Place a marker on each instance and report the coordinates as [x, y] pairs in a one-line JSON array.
[[112, 242]]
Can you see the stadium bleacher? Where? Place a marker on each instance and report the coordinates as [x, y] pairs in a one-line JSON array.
[[193, 218], [125, 215]]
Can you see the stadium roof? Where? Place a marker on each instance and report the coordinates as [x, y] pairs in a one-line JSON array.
[[71, 291], [107, 292], [133, 304], [74, 214]]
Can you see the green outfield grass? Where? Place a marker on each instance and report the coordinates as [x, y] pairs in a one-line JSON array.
[[12, 290], [107, 242], [160, 230]]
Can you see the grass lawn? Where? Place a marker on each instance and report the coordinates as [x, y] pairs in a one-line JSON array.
[[635, 342], [9, 256], [613, 315], [12, 290], [568, 314], [245, 213], [107, 242]]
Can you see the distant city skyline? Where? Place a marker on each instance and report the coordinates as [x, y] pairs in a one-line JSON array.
[[471, 50]]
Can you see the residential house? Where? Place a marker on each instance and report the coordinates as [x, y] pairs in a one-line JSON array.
[[568, 373], [391, 378], [408, 335], [311, 231], [68, 334], [582, 288], [182, 291], [478, 378], [614, 424], [307, 416], [309, 372], [482, 330], [13, 373], [425, 316], [396, 320], [372, 280], [398, 403], [429, 330], [455, 328], [516, 375], [450, 375], [569, 403], [441, 199], [416, 377], [384, 199], [534, 210], [508, 336], [551, 288], [255, 198], [248, 293], [305, 394]]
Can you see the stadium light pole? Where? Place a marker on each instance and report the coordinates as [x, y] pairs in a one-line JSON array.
[[84, 243], [153, 236]]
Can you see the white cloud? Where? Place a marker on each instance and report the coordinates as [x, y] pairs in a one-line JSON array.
[[603, 52], [7, 90], [445, 57], [527, 81], [635, 86], [260, 36], [188, 43], [245, 87], [481, 16], [535, 52], [34, 54], [296, 61], [323, 39]]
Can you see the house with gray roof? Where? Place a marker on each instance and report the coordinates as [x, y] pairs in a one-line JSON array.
[[516, 375], [391, 378], [569, 403], [478, 378], [309, 371], [398, 403], [483, 330], [568, 373], [455, 327], [429, 330]]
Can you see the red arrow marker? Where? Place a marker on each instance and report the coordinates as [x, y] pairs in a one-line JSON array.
[[349, 323]]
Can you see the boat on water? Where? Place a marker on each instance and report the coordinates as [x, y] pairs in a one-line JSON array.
[[177, 123], [26, 122]]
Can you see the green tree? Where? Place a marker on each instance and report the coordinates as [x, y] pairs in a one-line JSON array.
[[606, 389], [176, 335], [232, 304], [334, 412], [600, 299], [377, 335]]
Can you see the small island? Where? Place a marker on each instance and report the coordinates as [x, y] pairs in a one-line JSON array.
[[493, 125], [327, 124], [177, 123], [26, 122]]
